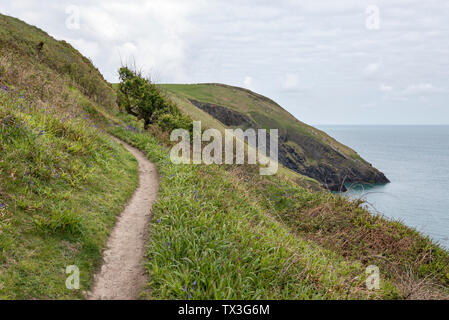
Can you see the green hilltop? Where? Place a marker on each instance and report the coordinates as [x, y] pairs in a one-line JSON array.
[[302, 148]]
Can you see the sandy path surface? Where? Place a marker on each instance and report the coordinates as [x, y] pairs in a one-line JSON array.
[[122, 275]]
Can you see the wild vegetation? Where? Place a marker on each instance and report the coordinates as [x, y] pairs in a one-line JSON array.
[[62, 185], [217, 232], [226, 232], [143, 99], [62, 181]]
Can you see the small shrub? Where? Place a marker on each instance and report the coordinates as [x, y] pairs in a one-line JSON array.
[[143, 99], [169, 122], [61, 222]]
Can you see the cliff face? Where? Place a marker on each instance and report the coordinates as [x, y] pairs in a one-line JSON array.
[[302, 148]]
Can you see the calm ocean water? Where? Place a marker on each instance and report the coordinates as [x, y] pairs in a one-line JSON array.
[[416, 160]]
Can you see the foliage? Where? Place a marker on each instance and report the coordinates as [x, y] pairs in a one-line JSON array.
[[219, 231], [32, 48], [211, 240], [62, 184], [143, 99]]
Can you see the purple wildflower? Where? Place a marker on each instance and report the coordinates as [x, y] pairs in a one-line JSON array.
[[2, 205], [188, 294]]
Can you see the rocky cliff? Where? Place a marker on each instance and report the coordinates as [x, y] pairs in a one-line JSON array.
[[302, 148]]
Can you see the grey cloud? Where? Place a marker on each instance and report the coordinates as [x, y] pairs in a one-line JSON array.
[[315, 57]]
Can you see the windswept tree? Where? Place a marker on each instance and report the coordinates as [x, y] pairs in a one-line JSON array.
[[144, 100], [139, 96]]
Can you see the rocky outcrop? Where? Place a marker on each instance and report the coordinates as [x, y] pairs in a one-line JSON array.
[[225, 115], [305, 154]]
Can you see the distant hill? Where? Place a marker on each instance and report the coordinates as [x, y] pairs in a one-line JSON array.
[[302, 148]]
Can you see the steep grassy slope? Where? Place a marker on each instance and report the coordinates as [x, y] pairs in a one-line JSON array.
[[302, 148], [62, 181], [62, 184], [41, 65]]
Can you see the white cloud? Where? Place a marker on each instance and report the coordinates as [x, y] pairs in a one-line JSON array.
[[385, 88], [372, 69], [421, 88], [90, 49], [315, 53], [290, 82]]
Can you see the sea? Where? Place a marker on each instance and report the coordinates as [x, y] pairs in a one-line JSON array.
[[416, 161]]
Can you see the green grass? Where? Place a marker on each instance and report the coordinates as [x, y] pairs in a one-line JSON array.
[[49, 59], [404, 256], [212, 240], [238, 235], [62, 181], [62, 185]]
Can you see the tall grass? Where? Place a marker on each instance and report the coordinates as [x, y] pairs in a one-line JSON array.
[[210, 240], [62, 185]]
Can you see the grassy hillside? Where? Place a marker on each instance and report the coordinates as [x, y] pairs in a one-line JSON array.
[[217, 231], [62, 181], [302, 148], [31, 59]]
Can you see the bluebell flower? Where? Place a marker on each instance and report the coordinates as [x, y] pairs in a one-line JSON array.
[[2, 205], [188, 294]]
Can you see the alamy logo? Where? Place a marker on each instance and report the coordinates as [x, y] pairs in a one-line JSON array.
[[73, 280], [373, 278], [373, 18], [73, 20], [256, 147]]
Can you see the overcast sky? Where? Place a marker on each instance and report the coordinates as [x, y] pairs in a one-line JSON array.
[[326, 62]]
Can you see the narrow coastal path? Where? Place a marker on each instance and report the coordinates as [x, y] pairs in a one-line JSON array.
[[122, 275]]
